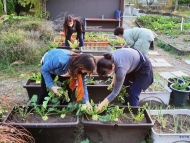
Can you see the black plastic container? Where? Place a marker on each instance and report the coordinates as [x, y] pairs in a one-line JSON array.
[[48, 132], [33, 88], [117, 133], [170, 81], [179, 96]]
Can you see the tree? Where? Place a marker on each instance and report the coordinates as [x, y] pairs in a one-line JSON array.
[[176, 5]]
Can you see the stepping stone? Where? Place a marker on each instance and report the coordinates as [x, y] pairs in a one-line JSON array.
[[160, 60], [152, 60], [179, 73], [187, 61], [166, 75], [161, 64], [153, 53]]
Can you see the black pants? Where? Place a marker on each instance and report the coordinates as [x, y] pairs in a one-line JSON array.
[[138, 80]]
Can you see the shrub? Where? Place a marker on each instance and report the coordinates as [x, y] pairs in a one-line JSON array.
[[25, 39], [10, 7], [1, 8]]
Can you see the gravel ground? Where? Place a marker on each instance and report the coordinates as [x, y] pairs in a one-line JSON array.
[[13, 88]]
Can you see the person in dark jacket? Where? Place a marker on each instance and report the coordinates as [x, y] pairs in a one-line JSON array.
[[72, 25], [131, 68], [64, 62]]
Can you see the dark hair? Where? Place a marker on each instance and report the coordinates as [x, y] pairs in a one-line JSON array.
[[105, 64], [118, 30], [81, 62], [68, 19]]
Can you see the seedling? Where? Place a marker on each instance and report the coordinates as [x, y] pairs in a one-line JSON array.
[[24, 111], [140, 113], [73, 45]]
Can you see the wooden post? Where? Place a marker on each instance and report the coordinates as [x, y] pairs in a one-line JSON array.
[[182, 21]]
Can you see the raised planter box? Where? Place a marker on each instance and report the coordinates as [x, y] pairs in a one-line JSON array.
[[57, 132], [170, 137], [32, 88], [96, 44], [96, 51], [117, 133], [156, 97]]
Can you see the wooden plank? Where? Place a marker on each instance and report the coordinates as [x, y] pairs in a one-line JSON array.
[[99, 19]]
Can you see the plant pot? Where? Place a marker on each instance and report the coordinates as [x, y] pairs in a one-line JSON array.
[[59, 42], [156, 98], [33, 88], [180, 97], [47, 132], [170, 137], [117, 133], [170, 81]]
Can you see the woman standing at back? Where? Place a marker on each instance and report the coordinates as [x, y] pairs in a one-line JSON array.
[[72, 25]]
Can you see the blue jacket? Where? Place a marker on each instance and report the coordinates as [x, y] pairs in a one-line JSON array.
[[57, 62]]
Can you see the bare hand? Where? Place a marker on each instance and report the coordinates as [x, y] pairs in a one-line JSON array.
[[100, 106], [55, 90], [88, 105]]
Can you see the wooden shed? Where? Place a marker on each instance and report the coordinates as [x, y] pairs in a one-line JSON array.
[[98, 15]]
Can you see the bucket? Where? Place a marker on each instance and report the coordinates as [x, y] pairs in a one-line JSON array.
[[117, 14]]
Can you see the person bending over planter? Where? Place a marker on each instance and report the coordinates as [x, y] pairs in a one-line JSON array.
[[71, 25], [137, 38], [131, 68], [64, 62]]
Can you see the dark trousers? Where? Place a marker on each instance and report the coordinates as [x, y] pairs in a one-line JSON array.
[[136, 81], [81, 39], [44, 92]]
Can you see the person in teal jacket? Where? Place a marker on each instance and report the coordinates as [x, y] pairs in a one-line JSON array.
[[64, 62], [137, 38]]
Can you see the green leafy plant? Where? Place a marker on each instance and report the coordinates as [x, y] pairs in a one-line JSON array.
[[181, 86], [90, 80], [62, 93], [120, 41], [43, 110], [186, 78], [71, 107], [82, 109], [113, 114], [140, 113], [24, 111], [122, 94], [36, 77], [73, 45]]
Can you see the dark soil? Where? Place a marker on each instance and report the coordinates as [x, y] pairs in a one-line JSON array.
[[35, 118], [182, 120]]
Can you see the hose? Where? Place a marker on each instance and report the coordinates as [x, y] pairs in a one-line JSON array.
[[180, 66]]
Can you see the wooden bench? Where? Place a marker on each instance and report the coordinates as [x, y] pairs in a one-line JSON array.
[[100, 21]]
